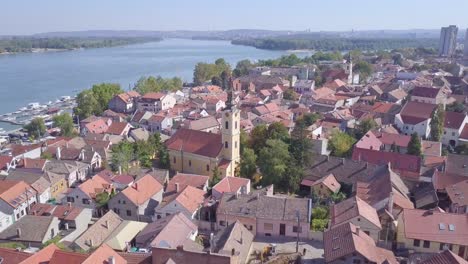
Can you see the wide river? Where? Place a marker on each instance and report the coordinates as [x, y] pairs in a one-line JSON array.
[[44, 77]]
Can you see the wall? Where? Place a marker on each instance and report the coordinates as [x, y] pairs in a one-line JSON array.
[[198, 163], [173, 208], [227, 219], [422, 129], [6, 215], [44, 197], [78, 195], [261, 231]]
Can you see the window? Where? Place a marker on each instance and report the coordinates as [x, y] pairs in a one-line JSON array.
[[442, 246], [235, 144], [268, 226], [119, 201], [124, 202], [158, 216], [190, 163], [129, 213], [297, 229], [427, 244], [356, 261], [226, 144], [367, 232], [226, 125], [173, 160], [235, 125], [453, 134], [117, 211], [207, 167], [86, 201], [70, 199], [222, 223], [417, 243]]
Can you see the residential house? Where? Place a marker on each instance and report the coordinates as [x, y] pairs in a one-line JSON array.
[[122, 181], [155, 102], [415, 117], [443, 257], [181, 180], [119, 129], [233, 240], [16, 198], [6, 163], [159, 123], [97, 234], [304, 86], [358, 212], [95, 125], [85, 194], [31, 230], [231, 185], [38, 181], [428, 95], [124, 235], [266, 215], [162, 255], [188, 201], [32, 151], [169, 232], [74, 220], [431, 231], [71, 171], [347, 243], [454, 123], [124, 102], [456, 194], [324, 187], [138, 201]]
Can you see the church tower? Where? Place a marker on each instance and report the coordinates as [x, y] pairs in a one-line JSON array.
[[230, 131]]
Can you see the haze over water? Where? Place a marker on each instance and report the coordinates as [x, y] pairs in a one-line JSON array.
[[43, 77]]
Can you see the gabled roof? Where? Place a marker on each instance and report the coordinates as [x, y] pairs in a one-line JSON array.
[[236, 236], [33, 229], [458, 193], [444, 257], [59, 257], [185, 179], [429, 92], [196, 142], [170, 231], [347, 239], [13, 256], [153, 96], [190, 198], [453, 120], [42, 256], [330, 182], [102, 255], [202, 123], [142, 190], [353, 207], [99, 231], [125, 232], [95, 186], [432, 225], [230, 184], [15, 193], [414, 112], [117, 128]]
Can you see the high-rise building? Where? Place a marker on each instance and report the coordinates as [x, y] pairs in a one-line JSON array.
[[466, 43], [448, 41]]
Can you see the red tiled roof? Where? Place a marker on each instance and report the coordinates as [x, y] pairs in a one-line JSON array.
[[17, 149], [230, 184], [453, 120], [12, 192], [464, 133], [42, 256], [415, 112], [4, 160], [143, 189], [98, 126], [183, 179], [429, 92], [442, 180], [13, 256], [123, 179], [399, 162], [117, 128], [191, 198], [153, 96], [330, 182], [427, 225], [60, 257], [196, 142], [348, 209], [445, 257]]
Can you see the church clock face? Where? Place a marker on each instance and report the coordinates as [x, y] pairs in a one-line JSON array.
[[227, 114]]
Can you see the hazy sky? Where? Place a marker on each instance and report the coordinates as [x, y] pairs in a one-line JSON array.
[[34, 16]]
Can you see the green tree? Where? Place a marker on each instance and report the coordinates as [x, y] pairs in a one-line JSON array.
[[364, 69], [216, 176], [414, 145], [273, 161], [289, 94], [206, 71], [157, 84], [258, 137], [65, 123], [341, 143], [122, 155], [365, 126], [248, 166], [102, 199], [103, 93], [456, 107], [277, 130], [338, 197], [36, 128], [164, 161], [242, 68], [87, 104], [144, 153], [437, 123]]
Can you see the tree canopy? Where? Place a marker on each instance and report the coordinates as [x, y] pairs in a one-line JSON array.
[[65, 123], [341, 143], [157, 84], [206, 71], [94, 101], [437, 123], [36, 128], [414, 145]]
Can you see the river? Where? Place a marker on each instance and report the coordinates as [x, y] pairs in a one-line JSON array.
[[43, 77]]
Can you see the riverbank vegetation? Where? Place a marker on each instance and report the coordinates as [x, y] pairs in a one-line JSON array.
[[94, 101], [30, 44], [336, 44]]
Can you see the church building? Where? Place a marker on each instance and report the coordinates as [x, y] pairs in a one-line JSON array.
[[198, 152]]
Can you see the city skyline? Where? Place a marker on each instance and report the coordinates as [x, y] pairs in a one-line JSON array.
[[54, 15]]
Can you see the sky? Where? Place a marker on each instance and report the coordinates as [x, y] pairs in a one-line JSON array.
[[22, 17]]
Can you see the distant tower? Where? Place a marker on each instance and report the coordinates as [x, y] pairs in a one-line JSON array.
[[466, 44], [448, 41], [231, 129], [350, 69]]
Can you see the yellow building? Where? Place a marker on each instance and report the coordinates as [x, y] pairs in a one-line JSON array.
[[199, 152], [432, 231]]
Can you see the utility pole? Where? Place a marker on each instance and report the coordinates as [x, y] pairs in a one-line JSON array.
[[298, 230]]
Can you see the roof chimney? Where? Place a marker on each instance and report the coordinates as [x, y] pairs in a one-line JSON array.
[[18, 232], [111, 260], [58, 153], [107, 224], [177, 187], [135, 186], [358, 230]]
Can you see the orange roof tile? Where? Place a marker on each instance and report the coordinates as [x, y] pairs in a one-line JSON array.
[[143, 189]]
